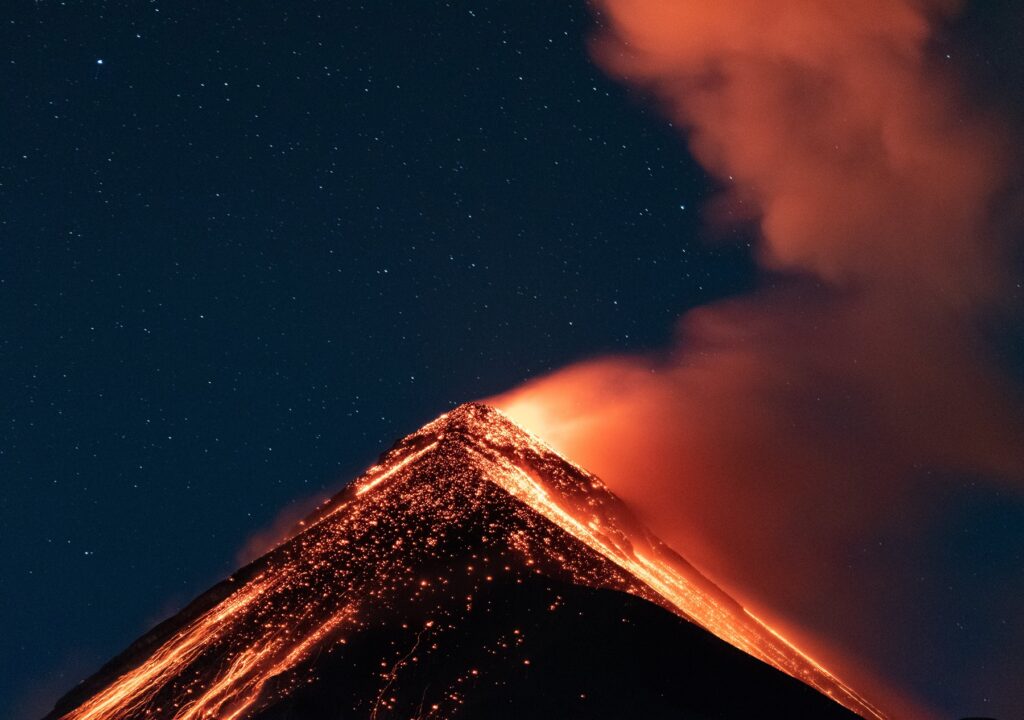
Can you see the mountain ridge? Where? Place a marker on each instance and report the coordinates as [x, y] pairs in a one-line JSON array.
[[470, 486]]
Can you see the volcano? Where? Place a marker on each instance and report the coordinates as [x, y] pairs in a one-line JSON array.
[[472, 572]]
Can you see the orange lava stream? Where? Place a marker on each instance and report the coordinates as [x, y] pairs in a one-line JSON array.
[[132, 691], [374, 481], [693, 603], [235, 689], [242, 685], [685, 597]]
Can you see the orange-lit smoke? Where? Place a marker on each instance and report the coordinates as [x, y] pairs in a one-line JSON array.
[[286, 524], [789, 429]]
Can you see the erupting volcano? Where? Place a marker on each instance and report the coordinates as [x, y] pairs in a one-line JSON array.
[[475, 573]]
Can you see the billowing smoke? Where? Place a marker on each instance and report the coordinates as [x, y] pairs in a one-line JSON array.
[[791, 431]]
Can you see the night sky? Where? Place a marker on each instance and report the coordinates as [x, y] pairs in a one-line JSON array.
[[247, 245]]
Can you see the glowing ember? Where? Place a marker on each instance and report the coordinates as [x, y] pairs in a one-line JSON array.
[[470, 479]]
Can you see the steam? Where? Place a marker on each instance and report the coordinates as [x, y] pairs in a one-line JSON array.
[[790, 429]]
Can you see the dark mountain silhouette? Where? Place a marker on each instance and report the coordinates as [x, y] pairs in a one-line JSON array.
[[471, 573]]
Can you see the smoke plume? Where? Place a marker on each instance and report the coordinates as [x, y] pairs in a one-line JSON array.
[[790, 432]]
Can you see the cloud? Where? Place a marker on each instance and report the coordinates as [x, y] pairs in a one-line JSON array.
[[788, 431]]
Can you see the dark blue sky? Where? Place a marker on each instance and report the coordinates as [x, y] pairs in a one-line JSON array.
[[260, 241], [247, 245]]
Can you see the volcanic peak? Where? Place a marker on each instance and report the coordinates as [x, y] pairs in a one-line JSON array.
[[474, 433], [417, 541]]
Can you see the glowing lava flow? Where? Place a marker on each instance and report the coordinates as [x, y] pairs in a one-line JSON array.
[[712, 610], [374, 480], [467, 491], [674, 582]]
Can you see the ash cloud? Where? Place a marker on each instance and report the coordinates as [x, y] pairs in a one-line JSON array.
[[790, 433]]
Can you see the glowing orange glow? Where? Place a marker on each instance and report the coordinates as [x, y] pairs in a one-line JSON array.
[[133, 690], [378, 475], [361, 554]]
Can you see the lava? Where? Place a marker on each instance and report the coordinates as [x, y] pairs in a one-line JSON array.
[[470, 482]]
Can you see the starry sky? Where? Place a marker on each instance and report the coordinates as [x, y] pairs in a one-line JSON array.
[[247, 245]]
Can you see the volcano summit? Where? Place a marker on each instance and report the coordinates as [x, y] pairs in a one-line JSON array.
[[471, 573]]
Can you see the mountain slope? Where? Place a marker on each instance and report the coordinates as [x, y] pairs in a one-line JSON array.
[[462, 574]]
